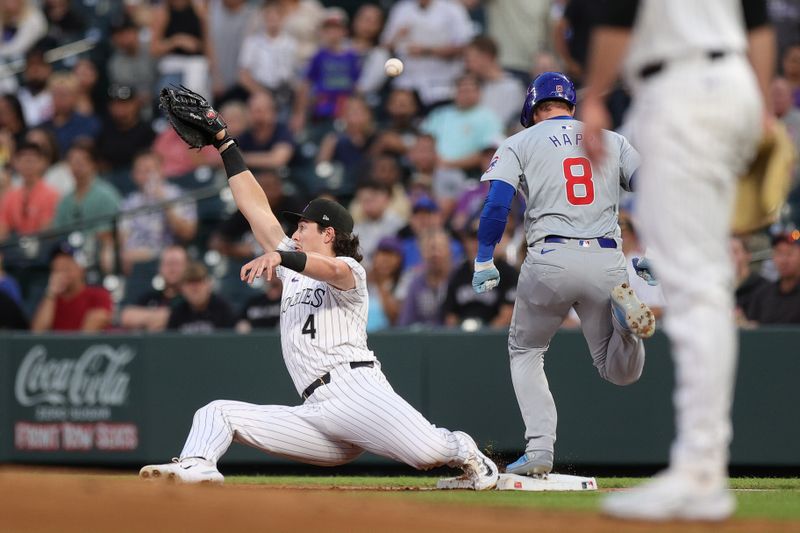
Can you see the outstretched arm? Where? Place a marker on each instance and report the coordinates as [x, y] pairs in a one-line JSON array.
[[332, 271], [250, 197]]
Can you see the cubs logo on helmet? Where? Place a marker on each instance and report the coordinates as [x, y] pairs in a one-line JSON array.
[[546, 86]]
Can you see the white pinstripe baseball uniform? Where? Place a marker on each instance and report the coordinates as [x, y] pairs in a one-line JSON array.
[[323, 329]]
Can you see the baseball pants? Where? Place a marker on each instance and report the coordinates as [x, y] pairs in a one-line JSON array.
[[569, 275]]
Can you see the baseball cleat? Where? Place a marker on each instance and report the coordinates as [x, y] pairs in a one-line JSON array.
[[672, 496], [187, 470], [532, 463], [631, 313], [480, 472]]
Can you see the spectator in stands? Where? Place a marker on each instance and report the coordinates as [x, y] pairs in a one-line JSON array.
[[143, 235], [302, 21], [384, 168], [463, 129], [36, 100], [268, 57], [789, 114], [790, 63], [429, 37], [521, 29], [179, 41], [124, 134], [446, 183], [747, 281], [91, 94], [264, 310], [233, 237], [64, 24], [12, 317], [463, 306], [58, 175], [12, 119], [350, 147], [426, 217], [650, 295], [267, 143], [91, 199], [401, 128], [779, 302], [499, 90], [31, 206], [131, 64], [378, 222], [69, 304], [152, 309], [424, 298], [23, 25], [331, 75], [366, 30], [382, 279], [8, 285], [229, 22], [67, 124], [200, 310]]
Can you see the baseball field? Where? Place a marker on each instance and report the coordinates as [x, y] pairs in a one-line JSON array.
[[44, 500]]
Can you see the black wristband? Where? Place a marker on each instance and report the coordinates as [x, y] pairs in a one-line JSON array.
[[293, 260], [219, 142], [233, 161]]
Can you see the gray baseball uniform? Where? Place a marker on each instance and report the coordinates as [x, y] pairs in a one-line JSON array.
[[574, 259]]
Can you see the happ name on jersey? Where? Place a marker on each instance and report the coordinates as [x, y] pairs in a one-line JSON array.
[[304, 297], [566, 140]]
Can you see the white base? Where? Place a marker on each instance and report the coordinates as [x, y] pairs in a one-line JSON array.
[[454, 483], [551, 482]]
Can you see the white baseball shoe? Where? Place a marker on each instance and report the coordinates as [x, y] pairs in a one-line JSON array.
[[186, 470], [478, 469], [631, 313], [672, 495]]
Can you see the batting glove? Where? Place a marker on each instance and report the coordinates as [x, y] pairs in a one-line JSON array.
[[644, 270], [486, 276]]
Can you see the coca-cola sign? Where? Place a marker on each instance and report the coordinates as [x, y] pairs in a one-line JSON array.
[[97, 378]]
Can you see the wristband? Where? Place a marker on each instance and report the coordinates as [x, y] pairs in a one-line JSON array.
[[233, 161], [293, 260], [219, 142]]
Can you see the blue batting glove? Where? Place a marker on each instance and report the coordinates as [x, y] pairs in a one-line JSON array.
[[644, 270], [486, 276]]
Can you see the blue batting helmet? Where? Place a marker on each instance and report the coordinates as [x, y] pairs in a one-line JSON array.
[[546, 86]]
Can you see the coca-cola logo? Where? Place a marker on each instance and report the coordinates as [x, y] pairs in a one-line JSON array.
[[96, 378]]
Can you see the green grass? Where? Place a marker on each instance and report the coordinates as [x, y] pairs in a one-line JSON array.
[[772, 498]]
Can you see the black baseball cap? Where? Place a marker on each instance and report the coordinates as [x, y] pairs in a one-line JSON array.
[[325, 213]]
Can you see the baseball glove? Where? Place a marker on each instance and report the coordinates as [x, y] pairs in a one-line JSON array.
[[193, 118], [761, 192]]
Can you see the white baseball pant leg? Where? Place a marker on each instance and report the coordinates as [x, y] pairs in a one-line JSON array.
[[356, 411], [696, 126]]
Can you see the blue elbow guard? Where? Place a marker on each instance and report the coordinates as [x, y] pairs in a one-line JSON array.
[[493, 218]]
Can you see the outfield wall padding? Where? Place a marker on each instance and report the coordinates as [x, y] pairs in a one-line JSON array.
[[115, 399]]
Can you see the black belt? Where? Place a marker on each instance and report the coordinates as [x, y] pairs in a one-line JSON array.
[[651, 69], [604, 242], [324, 380]]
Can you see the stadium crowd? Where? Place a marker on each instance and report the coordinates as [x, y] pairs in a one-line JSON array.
[[109, 222]]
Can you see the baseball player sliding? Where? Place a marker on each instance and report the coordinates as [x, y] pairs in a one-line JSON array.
[[349, 405], [574, 257]]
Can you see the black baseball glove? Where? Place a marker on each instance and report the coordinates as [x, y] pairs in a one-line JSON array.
[[192, 116]]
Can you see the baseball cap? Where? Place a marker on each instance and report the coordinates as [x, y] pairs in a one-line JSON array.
[[195, 271], [62, 248], [789, 237], [325, 213], [425, 203], [390, 244], [335, 15], [121, 92], [122, 23]]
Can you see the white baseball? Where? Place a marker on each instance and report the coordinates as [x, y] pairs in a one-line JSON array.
[[393, 67]]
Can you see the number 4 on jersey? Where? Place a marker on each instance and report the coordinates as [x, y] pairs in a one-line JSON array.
[[308, 327], [578, 172]]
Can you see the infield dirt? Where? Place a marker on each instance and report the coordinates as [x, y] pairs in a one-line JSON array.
[[47, 501]]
